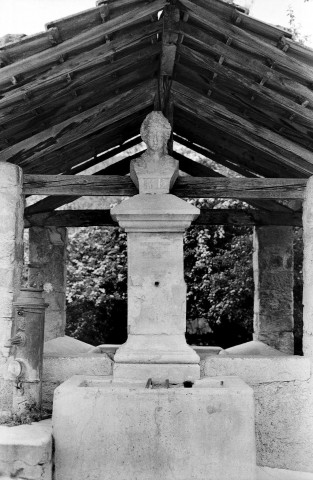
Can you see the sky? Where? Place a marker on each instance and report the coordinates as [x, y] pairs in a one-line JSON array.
[[30, 16]]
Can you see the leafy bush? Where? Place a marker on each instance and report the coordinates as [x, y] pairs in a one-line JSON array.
[[97, 285]]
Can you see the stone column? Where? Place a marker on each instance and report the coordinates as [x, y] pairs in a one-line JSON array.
[[273, 283], [155, 222], [156, 346], [11, 261], [308, 270], [47, 270]]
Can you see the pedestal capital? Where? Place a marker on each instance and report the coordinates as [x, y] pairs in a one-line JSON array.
[[154, 213]]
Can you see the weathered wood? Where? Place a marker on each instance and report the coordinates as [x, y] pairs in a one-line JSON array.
[[240, 188], [85, 70], [81, 125], [246, 159], [268, 95], [77, 43], [192, 187], [105, 156], [169, 39], [193, 168], [248, 42], [281, 149], [87, 218], [231, 12], [244, 62], [78, 185]]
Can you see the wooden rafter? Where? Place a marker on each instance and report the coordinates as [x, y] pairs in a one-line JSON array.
[[78, 43], [281, 149], [81, 125], [87, 218]]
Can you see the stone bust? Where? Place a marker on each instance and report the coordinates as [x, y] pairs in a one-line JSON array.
[[155, 171]]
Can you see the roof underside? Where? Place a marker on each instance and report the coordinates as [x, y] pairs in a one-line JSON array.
[[238, 89]]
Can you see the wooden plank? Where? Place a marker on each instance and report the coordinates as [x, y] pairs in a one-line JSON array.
[[245, 63], [87, 218], [192, 187], [81, 72], [84, 40], [240, 188], [81, 125], [246, 158], [169, 39], [248, 42], [266, 94], [194, 168], [271, 143]]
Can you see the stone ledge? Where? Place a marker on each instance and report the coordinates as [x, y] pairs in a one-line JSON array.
[[256, 370], [26, 451]]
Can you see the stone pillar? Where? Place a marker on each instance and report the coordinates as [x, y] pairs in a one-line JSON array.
[[273, 283], [11, 261], [155, 222], [47, 270], [308, 270]]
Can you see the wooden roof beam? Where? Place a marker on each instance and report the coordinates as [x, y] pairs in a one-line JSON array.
[[191, 187], [81, 125], [266, 94], [52, 202], [281, 149], [88, 218], [79, 42], [248, 42]]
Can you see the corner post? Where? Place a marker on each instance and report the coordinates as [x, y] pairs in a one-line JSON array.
[[47, 270], [273, 283], [11, 263]]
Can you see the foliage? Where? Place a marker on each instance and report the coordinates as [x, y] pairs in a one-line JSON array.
[[97, 285], [32, 413], [219, 277], [298, 289], [295, 27]]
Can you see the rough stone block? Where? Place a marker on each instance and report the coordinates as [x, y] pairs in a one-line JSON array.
[[284, 425], [57, 369], [256, 370], [26, 451], [126, 431]]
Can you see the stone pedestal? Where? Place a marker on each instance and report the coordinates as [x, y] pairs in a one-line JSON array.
[[11, 261], [273, 280], [156, 346], [125, 431], [47, 270]]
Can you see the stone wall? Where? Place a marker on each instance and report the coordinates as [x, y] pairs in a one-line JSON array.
[[273, 282], [283, 390]]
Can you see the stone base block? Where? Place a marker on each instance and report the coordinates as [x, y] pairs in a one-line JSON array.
[[258, 369], [26, 451], [121, 431], [57, 369], [175, 372]]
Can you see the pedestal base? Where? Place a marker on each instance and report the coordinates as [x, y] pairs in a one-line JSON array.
[[123, 431], [174, 372]]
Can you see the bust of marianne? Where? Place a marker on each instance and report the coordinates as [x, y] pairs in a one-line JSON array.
[[155, 171]]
